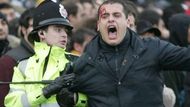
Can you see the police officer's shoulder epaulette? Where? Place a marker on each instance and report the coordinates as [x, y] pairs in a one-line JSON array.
[[71, 57]]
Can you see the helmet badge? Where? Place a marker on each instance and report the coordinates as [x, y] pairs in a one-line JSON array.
[[62, 11]]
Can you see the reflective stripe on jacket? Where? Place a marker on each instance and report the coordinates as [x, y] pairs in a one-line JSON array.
[[32, 69]]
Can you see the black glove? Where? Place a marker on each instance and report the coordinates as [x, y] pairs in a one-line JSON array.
[[65, 98], [65, 80]]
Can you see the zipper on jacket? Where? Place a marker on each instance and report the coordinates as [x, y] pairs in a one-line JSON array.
[[117, 71], [46, 62], [116, 62]]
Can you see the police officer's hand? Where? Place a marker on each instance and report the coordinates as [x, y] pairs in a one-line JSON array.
[[65, 98], [65, 80]]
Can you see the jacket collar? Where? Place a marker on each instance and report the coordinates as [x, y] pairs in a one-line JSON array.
[[42, 50], [136, 43], [27, 46], [120, 47]]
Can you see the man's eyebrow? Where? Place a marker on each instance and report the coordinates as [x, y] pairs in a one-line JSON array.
[[116, 13], [105, 14], [3, 21]]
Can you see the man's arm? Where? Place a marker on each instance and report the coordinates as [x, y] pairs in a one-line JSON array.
[[173, 57]]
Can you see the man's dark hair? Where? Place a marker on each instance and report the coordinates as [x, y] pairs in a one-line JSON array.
[[88, 1], [151, 16], [125, 9], [79, 37], [132, 9], [84, 1], [25, 17], [171, 10], [5, 6], [3, 17], [91, 24], [71, 7]]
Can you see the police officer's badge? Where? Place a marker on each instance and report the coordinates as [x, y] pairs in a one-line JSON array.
[[62, 11]]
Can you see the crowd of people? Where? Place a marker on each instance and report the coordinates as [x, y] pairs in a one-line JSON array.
[[123, 53]]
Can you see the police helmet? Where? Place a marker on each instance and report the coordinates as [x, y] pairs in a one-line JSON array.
[[49, 13]]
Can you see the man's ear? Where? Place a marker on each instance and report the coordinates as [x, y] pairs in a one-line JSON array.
[[41, 34], [77, 47], [98, 28], [23, 30], [128, 22], [71, 18]]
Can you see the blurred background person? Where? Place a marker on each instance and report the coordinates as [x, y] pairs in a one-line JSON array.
[[6, 41], [80, 39], [12, 17], [76, 14], [156, 20], [91, 24], [146, 29], [15, 55], [89, 8], [8, 10], [132, 15], [171, 10]]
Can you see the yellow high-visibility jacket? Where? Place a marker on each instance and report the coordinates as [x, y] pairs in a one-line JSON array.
[[32, 69]]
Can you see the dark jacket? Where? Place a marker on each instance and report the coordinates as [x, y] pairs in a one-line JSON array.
[[137, 83], [8, 61], [4, 47], [23, 51]]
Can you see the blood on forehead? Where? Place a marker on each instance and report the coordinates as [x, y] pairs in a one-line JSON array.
[[102, 11]]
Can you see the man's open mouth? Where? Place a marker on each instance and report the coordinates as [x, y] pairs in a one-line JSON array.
[[112, 32]]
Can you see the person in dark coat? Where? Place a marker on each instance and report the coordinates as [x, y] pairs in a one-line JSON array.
[[7, 41], [156, 20], [4, 43], [146, 29], [118, 68], [12, 57]]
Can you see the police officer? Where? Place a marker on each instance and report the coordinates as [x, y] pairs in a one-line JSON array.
[[50, 31]]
